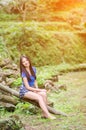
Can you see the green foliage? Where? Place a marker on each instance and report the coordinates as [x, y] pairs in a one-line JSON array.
[[17, 82], [7, 17], [26, 108], [3, 49], [46, 72], [22, 107], [43, 42]]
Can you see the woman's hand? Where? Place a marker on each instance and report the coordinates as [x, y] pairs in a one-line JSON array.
[[43, 90], [40, 90]]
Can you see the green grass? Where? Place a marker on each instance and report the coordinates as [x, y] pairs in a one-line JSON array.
[[47, 72]]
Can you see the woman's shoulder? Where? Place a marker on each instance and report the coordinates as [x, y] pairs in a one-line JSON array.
[[23, 74], [33, 67]]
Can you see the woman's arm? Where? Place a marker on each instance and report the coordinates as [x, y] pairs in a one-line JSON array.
[[35, 84], [28, 87]]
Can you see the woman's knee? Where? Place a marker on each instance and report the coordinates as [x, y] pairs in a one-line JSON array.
[[44, 94], [32, 96], [39, 98]]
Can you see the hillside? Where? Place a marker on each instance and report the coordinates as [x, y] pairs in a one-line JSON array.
[[49, 37], [42, 41]]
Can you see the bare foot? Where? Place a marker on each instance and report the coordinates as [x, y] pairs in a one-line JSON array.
[[52, 117], [49, 117]]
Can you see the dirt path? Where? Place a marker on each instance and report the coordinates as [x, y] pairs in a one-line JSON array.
[[77, 80]]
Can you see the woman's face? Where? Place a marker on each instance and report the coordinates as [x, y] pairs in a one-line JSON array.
[[25, 62]]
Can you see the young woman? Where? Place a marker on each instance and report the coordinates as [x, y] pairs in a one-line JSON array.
[[29, 88]]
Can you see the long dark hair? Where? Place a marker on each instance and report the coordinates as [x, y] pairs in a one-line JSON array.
[[23, 69]]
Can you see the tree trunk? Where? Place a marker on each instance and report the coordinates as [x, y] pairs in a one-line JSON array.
[[7, 99], [9, 90], [15, 93]]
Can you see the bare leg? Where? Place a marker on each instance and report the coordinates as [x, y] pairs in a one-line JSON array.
[[44, 96], [37, 97]]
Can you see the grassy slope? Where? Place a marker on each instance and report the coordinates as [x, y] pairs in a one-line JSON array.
[[43, 40]]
